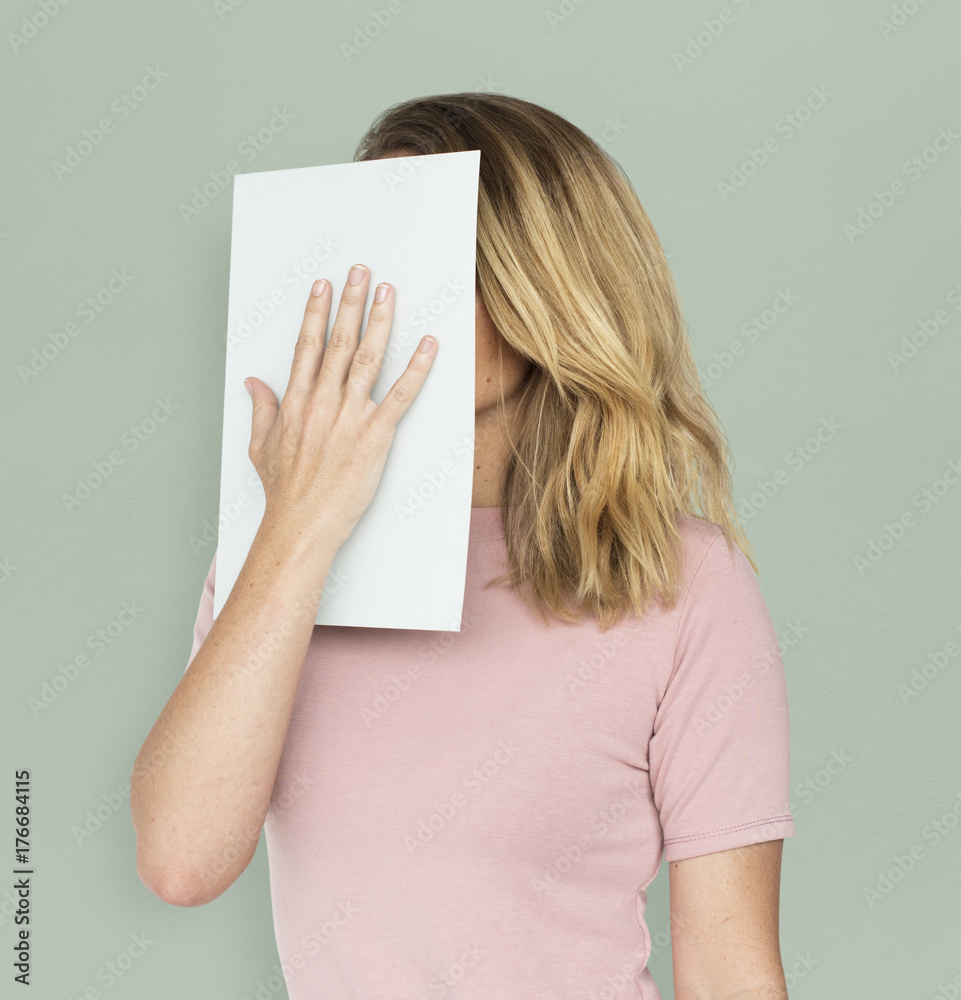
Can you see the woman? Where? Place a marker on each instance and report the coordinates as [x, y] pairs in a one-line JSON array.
[[478, 813]]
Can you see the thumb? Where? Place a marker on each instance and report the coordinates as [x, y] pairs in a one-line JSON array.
[[264, 411]]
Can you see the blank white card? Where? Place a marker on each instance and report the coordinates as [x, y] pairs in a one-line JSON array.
[[412, 221]]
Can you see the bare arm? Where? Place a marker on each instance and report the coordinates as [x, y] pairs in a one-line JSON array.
[[198, 810], [204, 776], [724, 924]]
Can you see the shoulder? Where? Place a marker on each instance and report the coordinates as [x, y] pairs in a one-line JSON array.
[[717, 575], [702, 543]]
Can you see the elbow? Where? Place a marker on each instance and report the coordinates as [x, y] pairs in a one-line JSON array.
[[173, 872], [162, 869], [179, 888]]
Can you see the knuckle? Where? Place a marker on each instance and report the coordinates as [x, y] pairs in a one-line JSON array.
[[366, 359], [379, 433], [339, 339], [403, 392], [306, 342], [365, 441], [313, 407]]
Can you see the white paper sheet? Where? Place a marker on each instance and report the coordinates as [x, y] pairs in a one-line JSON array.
[[412, 221]]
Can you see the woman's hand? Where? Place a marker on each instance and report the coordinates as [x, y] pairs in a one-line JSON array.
[[321, 453]]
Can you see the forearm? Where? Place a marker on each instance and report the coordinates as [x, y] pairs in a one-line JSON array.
[[203, 779]]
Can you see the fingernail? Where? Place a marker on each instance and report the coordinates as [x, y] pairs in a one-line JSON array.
[[356, 275], [250, 391], [318, 287], [380, 293]]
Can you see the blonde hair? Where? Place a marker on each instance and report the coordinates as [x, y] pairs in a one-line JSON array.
[[615, 436]]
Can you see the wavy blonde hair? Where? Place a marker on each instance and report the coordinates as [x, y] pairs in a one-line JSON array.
[[615, 435]]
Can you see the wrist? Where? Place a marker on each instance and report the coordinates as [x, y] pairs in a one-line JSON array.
[[284, 537]]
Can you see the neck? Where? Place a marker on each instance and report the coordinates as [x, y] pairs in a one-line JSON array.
[[491, 455]]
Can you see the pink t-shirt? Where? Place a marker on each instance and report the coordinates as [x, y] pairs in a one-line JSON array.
[[478, 814]]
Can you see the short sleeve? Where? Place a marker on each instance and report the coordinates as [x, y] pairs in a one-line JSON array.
[[719, 756], [205, 613]]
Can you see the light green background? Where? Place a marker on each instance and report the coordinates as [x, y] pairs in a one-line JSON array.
[[677, 132]]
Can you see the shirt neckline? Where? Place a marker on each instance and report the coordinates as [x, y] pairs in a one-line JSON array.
[[485, 524]]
